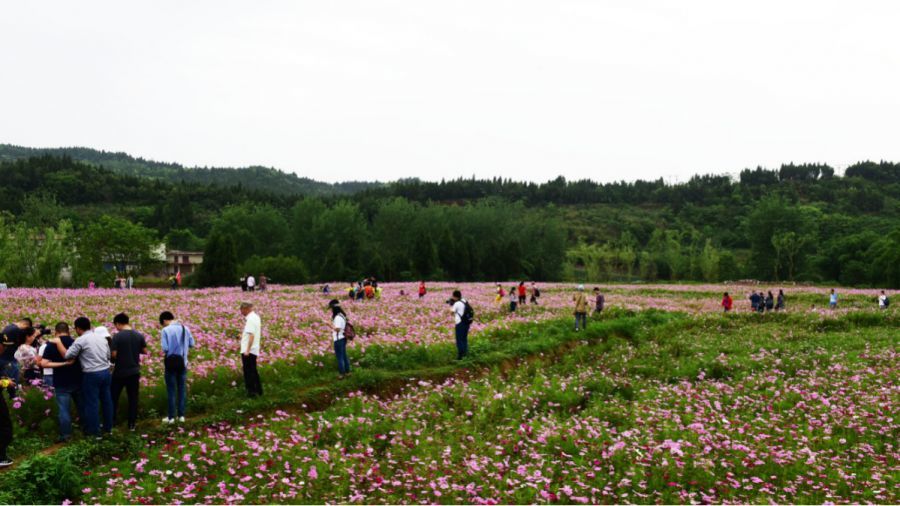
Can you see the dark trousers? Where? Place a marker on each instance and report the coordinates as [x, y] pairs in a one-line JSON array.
[[251, 375], [340, 351], [131, 385], [521, 300], [462, 340], [6, 428], [95, 388]]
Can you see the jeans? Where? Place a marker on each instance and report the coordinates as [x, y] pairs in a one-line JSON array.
[[95, 389], [580, 317], [462, 340], [6, 428], [64, 399], [175, 384], [131, 385], [47, 381], [10, 369], [251, 375], [340, 351]]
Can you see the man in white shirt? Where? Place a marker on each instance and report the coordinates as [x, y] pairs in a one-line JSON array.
[[251, 283], [883, 301], [462, 321], [250, 349]]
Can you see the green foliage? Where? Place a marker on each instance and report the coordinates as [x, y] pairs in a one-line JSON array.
[[219, 267], [280, 269]]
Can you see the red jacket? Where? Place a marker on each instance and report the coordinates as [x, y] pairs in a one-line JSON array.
[[727, 302], [521, 290]]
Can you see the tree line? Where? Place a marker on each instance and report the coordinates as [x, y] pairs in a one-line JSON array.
[[799, 222]]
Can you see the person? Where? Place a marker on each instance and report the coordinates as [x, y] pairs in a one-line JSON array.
[[512, 300], [535, 293], [581, 309], [351, 291], [176, 341], [93, 353], [251, 283], [462, 316], [117, 283], [243, 283], [883, 301], [833, 300], [754, 301], [599, 301], [326, 289], [127, 347], [500, 293], [6, 426], [522, 293], [770, 301], [727, 302], [27, 353], [46, 372], [370, 291], [12, 336], [91, 284], [178, 279], [250, 340], [263, 282], [66, 380], [779, 303], [174, 280], [422, 290], [129, 282], [338, 326]]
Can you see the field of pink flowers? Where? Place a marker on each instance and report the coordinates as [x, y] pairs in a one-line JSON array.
[[795, 407], [805, 417]]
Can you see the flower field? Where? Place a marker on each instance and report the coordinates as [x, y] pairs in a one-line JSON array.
[[664, 399]]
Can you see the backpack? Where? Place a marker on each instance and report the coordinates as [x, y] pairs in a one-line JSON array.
[[468, 315], [537, 293], [175, 363], [887, 301], [349, 331]]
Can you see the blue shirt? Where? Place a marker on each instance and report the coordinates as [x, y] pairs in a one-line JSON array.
[[172, 341], [834, 298]]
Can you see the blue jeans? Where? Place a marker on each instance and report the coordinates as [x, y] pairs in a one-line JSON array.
[[462, 340], [64, 399], [580, 318], [175, 386], [95, 390], [47, 381], [340, 351]]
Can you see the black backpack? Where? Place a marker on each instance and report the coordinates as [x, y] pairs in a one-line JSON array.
[[887, 301], [468, 315]]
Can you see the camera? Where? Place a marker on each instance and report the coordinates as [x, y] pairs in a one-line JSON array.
[[43, 329]]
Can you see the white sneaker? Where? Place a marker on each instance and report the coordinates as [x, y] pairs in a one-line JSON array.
[[180, 419], [168, 420]]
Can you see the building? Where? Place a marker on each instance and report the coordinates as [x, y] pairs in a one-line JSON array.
[[185, 261]]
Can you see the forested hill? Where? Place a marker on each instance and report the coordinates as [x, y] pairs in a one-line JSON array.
[[254, 178], [795, 223]]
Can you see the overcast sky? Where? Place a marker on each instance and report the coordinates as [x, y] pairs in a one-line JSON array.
[[362, 90]]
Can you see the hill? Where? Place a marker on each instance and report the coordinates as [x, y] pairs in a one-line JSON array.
[[255, 178]]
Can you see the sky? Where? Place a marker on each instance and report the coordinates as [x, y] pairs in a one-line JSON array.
[[379, 90]]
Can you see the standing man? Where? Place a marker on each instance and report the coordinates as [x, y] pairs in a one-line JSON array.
[[727, 302], [581, 309], [127, 347], [463, 315], [883, 301], [92, 350], [422, 290], [599, 301], [250, 349], [6, 427], [13, 334], [66, 380], [263, 282], [251, 283], [176, 340], [833, 300]]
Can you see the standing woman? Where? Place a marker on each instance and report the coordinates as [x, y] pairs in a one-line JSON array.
[[727, 302], [338, 325], [779, 303]]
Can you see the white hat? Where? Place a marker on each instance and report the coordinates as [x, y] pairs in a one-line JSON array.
[[580, 288], [102, 331]]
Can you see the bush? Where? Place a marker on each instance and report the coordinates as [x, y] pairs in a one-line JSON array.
[[281, 269]]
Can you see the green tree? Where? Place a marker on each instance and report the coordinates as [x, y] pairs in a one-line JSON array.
[[219, 267]]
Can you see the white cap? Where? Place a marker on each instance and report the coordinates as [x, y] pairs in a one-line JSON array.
[[101, 331]]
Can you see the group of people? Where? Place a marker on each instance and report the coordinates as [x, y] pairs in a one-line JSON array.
[[122, 282], [365, 289], [761, 302], [582, 306], [249, 283], [91, 370], [518, 295]]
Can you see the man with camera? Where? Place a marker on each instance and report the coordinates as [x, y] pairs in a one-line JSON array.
[[12, 335], [463, 315]]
